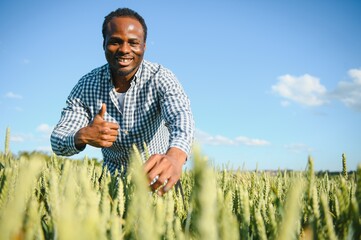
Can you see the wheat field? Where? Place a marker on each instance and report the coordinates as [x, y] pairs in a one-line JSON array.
[[51, 197]]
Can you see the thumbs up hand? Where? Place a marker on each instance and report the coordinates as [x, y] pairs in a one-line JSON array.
[[99, 118], [102, 111], [99, 133]]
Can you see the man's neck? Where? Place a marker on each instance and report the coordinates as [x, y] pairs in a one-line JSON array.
[[121, 84]]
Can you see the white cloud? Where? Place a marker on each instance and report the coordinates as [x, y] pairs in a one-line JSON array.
[[298, 147], [44, 128], [205, 138], [17, 138], [40, 141], [221, 140], [349, 93], [44, 149], [356, 75], [21, 137], [285, 103], [252, 142], [305, 90], [217, 140], [13, 95], [45, 131]]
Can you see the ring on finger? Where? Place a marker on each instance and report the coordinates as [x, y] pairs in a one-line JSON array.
[[165, 182], [155, 179]]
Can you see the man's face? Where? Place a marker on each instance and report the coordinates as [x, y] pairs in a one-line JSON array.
[[124, 46]]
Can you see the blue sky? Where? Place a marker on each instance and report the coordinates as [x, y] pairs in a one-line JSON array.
[[270, 82]]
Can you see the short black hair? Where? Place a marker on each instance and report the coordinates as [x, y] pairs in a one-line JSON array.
[[124, 12]]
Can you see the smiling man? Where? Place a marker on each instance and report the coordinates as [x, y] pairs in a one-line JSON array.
[[128, 101]]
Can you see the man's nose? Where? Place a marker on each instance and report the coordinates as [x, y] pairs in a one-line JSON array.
[[124, 47]]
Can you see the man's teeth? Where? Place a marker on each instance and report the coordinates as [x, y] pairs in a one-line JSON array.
[[124, 60]]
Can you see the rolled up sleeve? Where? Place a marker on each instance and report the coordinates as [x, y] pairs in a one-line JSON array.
[[176, 111], [73, 117]]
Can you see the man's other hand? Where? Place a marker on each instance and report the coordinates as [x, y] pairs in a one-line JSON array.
[[164, 170]]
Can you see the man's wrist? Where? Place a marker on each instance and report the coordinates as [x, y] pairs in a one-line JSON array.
[[79, 142], [178, 154]]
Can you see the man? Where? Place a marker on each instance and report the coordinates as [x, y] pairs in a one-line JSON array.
[[128, 101]]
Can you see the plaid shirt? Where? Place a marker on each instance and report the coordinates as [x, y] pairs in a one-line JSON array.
[[156, 112]]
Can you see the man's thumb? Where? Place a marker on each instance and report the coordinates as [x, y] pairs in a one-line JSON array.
[[102, 110]]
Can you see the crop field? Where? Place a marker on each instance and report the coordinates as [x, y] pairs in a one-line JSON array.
[[50, 197]]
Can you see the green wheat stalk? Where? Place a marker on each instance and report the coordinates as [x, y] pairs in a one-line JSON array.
[[204, 199], [344, 166], [328, 223], [289, 224]]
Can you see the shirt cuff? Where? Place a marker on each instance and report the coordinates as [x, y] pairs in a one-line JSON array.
[[181, 146], [70, 141]]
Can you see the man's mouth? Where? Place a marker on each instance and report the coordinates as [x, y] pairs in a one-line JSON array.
[[124, 61]]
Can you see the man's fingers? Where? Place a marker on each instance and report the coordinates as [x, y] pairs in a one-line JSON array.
[[163, 172], [150, 163], [106, 144], [154, 180], [161, 184], [168, 184], [108, 138], [171, 182], [114, 126], [157, 168], [109, 131]]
